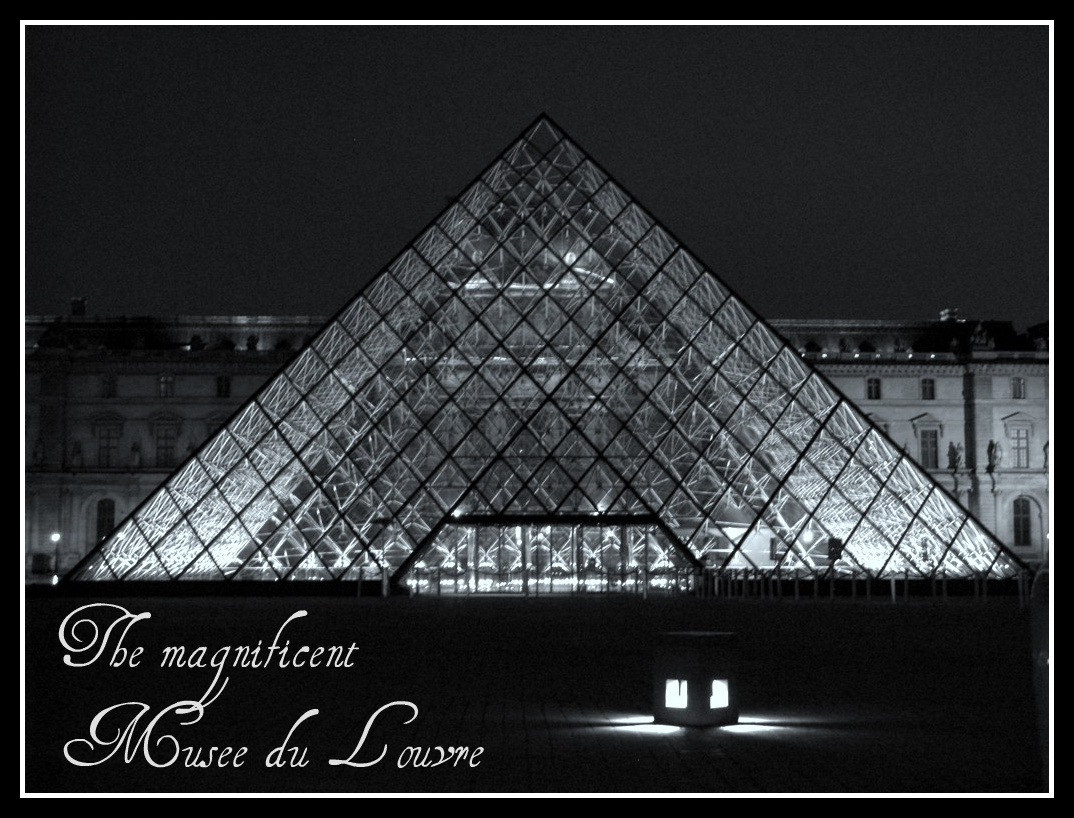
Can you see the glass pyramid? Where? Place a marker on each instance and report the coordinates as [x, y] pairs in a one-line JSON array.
[[546, 391]]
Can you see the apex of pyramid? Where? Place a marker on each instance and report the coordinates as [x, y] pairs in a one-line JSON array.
[[543, 134]]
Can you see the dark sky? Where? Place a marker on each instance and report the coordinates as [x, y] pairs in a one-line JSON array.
[[822, 171]]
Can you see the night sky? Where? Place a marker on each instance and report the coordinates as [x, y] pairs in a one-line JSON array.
[[821, 171]]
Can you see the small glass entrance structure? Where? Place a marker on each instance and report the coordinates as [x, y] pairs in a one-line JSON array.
[[534, 555]]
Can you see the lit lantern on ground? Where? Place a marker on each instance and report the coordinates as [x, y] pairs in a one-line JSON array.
[[695, 679]]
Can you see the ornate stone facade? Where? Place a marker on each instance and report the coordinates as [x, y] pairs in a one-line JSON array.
[[113, 405]]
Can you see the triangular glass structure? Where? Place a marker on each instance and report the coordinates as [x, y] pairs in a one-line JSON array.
[[546, 391]]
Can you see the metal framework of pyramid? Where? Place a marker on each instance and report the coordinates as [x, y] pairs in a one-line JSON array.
[[546, 391]]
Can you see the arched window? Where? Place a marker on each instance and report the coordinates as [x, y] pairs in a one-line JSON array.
[[1023, 522], [106, 518]]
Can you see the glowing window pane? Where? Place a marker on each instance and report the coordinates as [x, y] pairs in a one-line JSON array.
[[675, 694], [719, 697]]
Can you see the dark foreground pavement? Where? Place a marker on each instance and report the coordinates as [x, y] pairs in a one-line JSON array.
[[838, 696]]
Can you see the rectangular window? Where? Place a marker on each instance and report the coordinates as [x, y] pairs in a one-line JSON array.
[[928, 389], [223, 386], [108, 385], [1023, 523], [930, 448], [167, 386], [166, 437], [1018, 388], [106, 518], [1021, 448], [108, 446], [872, 388]]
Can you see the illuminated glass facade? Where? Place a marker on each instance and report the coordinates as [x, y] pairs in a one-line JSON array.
[[546, 392]]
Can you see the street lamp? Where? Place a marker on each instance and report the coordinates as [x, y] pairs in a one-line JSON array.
[[55, 538]]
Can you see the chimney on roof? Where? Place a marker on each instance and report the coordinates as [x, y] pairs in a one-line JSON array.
[[78, 307]]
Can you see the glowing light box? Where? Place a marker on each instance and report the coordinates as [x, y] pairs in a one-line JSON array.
[[695, 678]]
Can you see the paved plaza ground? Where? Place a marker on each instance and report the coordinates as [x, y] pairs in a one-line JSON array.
[[837, 696]]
